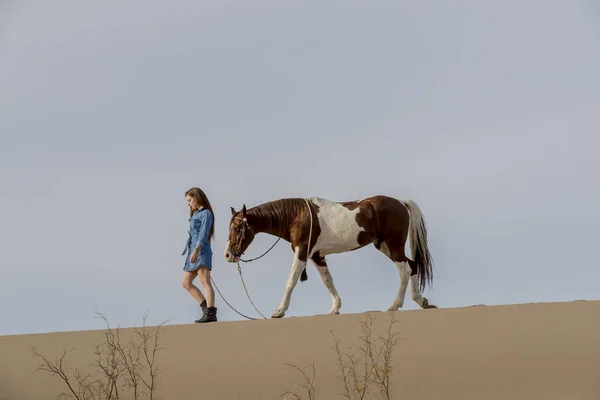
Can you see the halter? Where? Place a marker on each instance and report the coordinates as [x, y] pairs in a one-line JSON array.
[[236, 251]]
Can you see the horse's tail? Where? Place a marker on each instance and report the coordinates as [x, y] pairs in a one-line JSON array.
[[418, 244]]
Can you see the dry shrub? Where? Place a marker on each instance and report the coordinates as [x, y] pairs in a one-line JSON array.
[[365, 370], [308, 385], [122, 370]]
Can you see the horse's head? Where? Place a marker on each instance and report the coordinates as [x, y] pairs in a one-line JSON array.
[[240, 236]]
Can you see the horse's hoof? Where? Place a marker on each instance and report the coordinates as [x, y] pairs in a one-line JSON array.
[[425, 304], [393, 308], [277, 314], [333, 312]]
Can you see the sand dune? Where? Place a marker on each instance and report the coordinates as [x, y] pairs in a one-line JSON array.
[[526, 351]]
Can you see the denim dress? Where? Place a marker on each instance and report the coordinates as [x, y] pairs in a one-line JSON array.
[[200, 224]]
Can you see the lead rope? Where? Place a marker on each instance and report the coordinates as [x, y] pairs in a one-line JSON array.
[[246, 290], [243, 283], [254, 259], [230, 306], [242, 278]]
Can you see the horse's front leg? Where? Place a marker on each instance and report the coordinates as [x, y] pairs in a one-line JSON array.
[[297, 268]]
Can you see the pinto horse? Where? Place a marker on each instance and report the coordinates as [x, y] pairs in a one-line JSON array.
[[338, 227]]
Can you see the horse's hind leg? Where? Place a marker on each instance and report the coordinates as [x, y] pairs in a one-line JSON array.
[[323, 269], [396, 254], [414, 288]]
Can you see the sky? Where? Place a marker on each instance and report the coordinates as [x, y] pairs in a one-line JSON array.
[[485, 114]]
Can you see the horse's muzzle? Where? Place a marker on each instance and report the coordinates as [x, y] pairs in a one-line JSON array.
[[230, 256]]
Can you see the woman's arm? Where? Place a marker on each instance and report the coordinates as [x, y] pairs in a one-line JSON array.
[[205, 222]]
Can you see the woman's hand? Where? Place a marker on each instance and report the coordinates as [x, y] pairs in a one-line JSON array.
[[194, 255]]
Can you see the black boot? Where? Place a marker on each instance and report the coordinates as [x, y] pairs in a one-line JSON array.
[[203, 306], [210, 315]]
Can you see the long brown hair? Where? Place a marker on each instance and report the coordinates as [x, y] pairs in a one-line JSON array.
[[202, 200]]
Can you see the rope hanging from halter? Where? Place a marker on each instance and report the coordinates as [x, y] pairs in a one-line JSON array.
[[254, 259]]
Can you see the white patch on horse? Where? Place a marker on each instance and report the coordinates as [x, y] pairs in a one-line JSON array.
[[339, 230], [226, 252]]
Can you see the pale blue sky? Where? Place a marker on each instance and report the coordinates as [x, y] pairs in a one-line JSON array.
[[485, 114]]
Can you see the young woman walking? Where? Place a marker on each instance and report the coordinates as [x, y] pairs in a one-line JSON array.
[[198, 261]]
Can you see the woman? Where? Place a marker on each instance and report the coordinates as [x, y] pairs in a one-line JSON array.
[[199, 253]]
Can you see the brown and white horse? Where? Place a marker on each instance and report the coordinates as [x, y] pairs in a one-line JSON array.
[[337, 227]]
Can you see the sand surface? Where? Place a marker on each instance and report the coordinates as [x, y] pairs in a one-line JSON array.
[[526, 351]]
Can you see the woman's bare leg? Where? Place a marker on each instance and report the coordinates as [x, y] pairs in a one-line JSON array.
[[192, 289], [204, 275]]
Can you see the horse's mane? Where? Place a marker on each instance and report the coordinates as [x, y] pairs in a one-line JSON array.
[[278, 215]]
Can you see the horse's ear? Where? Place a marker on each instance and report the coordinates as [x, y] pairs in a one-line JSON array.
[[244, 209], [233, 212]]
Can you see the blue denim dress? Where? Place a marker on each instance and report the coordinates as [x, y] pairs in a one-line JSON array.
[[200, 224]]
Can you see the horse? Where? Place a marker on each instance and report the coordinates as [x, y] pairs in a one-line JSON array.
[[317, 227]]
